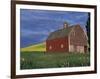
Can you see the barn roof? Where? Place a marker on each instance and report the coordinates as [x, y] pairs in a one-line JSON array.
[[60, 33]]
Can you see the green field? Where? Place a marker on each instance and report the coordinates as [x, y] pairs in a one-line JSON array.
[[36, 47], [36, 60]]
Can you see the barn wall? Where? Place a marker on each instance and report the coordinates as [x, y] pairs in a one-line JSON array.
[[78, 37], [80, 49], [57, 45], [73, 48], [78, 40]]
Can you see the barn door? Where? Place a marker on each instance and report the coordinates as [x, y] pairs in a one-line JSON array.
[[85, 49]]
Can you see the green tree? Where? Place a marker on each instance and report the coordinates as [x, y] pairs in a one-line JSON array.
[[88, 29]]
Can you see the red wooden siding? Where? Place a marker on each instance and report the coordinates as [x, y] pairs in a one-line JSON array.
[[78, 39], [57, 45]]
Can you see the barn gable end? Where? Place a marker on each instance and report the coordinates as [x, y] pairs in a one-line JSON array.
[[78, 40]]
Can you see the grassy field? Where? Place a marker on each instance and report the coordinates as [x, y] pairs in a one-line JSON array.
[[36, 60]]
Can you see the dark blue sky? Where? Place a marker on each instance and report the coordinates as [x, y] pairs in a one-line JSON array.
[[36, 25]]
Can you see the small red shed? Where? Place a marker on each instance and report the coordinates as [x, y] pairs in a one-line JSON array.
[[68, 39]]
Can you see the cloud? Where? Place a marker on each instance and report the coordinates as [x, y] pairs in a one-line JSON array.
[[26, 32]]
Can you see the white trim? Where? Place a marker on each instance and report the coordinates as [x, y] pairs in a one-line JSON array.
[[51, 70]]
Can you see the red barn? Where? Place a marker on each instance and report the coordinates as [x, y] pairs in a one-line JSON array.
[[69, 39]]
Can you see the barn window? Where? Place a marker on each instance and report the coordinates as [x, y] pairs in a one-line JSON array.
[[50, 47], [62, 45]]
